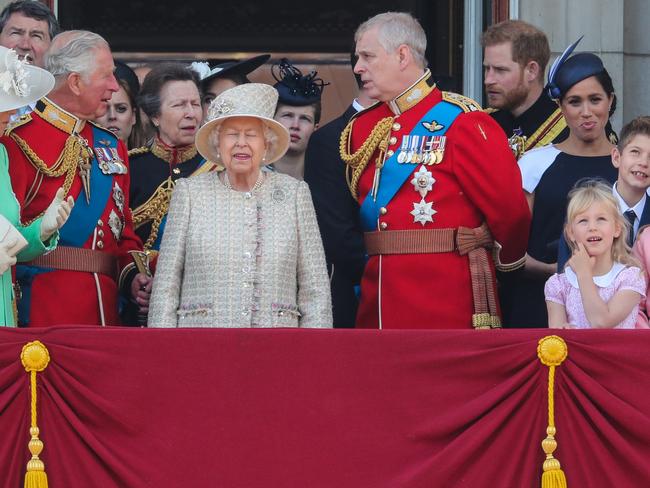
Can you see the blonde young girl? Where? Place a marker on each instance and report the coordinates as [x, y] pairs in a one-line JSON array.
[[602, 285]]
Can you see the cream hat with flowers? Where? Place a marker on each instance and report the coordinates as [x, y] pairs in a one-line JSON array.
[[21, 83], [255, 100]]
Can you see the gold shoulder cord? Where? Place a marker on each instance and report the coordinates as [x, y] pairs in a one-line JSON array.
[[154, 210], [67, 162], [358, 161]]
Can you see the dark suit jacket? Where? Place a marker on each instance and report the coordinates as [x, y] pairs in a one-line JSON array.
[[564, 253], [338, 217]]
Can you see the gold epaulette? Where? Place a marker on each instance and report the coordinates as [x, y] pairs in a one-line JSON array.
[[139, 150], [22, 120], [465, 103]]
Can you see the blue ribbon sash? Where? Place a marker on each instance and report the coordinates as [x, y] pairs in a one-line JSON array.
[[83, 218], [394, 174]]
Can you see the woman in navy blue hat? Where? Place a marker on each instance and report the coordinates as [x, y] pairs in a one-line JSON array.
[[299, 110], [583, 89]]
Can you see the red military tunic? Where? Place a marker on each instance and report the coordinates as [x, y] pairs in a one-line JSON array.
[[64, 296], [476, 182]]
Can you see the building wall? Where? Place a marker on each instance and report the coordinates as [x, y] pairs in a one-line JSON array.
[[616, 30], [637, 58]]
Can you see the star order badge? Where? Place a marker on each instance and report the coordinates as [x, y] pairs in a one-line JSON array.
[[118, 197], [423, 212], [116, 224], [423, 181]]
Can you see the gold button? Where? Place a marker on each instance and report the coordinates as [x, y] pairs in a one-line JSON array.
[[100, 223], [383, 226], [393, 140], [100, 245], [389, 153], [397, 126], [177, 171], [383, 211], [100, 233]]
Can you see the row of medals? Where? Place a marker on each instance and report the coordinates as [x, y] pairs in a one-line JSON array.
[[421, 150]]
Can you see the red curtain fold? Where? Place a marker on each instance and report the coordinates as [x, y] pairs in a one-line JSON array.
[[320, 408]]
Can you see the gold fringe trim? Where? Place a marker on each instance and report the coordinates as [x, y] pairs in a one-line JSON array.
[[35, 358], [552, 351]]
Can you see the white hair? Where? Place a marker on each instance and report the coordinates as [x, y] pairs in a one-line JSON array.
[[73, 52], [395, 29], [270, 137]]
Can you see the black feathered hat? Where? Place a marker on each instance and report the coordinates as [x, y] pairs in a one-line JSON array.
[[295, 88]]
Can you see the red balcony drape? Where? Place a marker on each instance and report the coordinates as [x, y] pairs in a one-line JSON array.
[[324, 409]]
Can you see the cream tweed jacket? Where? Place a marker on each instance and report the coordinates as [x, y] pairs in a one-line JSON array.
[[241, 259]]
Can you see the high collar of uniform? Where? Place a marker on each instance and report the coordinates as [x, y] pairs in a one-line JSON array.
[[59, 117], [173, 155], [413, 94]]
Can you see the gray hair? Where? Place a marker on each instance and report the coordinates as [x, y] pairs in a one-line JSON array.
[[73, 52], [33, 10], [270, 137], [395, 29]]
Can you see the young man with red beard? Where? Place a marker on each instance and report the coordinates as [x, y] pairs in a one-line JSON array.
[[515, 58]]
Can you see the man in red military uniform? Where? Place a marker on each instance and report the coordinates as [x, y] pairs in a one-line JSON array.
[[437, 185], [55, 146]]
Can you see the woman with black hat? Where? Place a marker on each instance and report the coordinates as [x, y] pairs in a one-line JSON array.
[[223, 76], [583, 89], [299, 110]]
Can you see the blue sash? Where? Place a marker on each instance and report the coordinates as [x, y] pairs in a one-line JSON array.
[[394, 174], [83, 218]]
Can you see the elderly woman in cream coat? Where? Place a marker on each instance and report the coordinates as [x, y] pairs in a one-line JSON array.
[[242, 247]]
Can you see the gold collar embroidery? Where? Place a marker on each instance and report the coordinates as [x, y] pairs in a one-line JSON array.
[[413, 94], [173, 155], [58, 117]]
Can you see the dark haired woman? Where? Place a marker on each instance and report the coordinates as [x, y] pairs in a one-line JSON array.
[[584, 91], [171, 100]]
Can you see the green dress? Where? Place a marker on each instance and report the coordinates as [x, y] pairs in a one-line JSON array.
[[10, 208]]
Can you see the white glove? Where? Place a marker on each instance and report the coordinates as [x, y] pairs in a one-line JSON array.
[[56, 215], [6, 259]]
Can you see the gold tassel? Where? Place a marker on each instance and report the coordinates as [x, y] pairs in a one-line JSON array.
[[35, 358], [552, 351]]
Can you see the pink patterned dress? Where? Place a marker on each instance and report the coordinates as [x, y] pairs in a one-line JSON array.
[[563, 289]]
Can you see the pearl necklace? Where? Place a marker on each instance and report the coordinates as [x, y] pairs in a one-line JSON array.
[[256, 186]]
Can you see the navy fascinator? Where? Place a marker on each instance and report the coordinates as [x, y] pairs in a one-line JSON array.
[[293, 87], [568, 70]]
